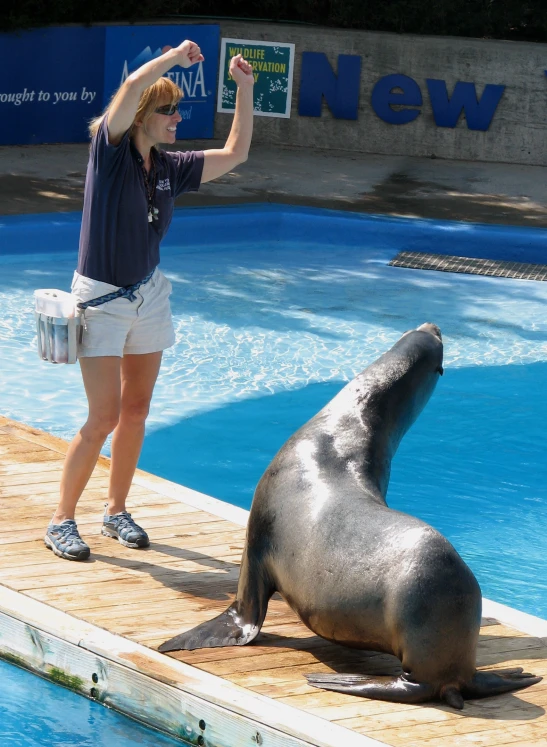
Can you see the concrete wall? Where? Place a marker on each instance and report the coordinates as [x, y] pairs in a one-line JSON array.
[[517, 134]]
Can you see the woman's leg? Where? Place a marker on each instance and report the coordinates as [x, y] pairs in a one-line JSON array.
[[101, 377], [138, 377]]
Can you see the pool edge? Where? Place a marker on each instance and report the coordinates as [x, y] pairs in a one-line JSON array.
[[285, 222], [152, 688]]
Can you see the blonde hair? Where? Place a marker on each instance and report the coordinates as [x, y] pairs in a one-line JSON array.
[[163, 88]]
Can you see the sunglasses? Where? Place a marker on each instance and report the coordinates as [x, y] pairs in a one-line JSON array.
[[168, 109]]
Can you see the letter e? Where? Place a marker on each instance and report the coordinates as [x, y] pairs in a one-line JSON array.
[[383, 98]]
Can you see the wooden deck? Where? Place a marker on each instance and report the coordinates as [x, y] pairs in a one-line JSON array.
[[189, 574]]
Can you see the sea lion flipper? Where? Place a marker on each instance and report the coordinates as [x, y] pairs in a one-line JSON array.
[[240, 623], [227, 629], [400, 690], [393, 689], [485, 684]]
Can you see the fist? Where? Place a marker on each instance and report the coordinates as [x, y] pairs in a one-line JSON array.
[[241, 71], [189, 53]]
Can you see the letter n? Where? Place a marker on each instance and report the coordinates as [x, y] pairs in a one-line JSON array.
[[318, 79], [478, 113]]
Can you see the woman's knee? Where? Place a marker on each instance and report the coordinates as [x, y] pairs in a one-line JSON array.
[[135, 412], [100, 427]]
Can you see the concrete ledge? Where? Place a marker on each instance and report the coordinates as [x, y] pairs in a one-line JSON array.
[[50, 178]]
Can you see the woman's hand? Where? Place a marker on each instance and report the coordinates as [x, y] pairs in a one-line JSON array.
[[241, 71], [189, 53]]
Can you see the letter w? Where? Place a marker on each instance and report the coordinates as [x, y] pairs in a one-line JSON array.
[[479, 114], [318, 79]]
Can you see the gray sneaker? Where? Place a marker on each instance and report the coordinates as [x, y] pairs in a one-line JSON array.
[[122, 527], [65, 541]]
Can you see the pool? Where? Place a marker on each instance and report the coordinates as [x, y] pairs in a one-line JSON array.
[[64, 719], [269, 330]]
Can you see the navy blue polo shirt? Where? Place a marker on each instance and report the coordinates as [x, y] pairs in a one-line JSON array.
[[117, 243]]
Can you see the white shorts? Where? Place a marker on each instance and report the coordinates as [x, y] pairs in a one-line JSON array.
[[123, 327]]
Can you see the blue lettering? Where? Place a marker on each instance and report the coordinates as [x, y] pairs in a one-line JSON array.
[[318, 79], [383, 98], [478, 114]]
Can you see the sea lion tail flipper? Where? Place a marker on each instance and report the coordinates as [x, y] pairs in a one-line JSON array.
[[393, 689], [485, 684], [228, 629]]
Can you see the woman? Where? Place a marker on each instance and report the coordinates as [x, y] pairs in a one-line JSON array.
[[128, 204]]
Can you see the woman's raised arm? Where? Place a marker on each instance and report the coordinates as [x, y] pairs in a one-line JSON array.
[[124, 107]]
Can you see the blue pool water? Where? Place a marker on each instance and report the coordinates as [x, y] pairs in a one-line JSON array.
[[269, 330], [63, 719]]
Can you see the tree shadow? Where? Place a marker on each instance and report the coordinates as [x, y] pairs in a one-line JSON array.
[[28, 194], [403, 193]]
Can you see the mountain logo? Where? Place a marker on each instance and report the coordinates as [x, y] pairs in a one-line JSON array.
[[191, 81]]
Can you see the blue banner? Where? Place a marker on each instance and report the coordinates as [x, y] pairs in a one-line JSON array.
[[54, 80], [129, 47], [51, 84]]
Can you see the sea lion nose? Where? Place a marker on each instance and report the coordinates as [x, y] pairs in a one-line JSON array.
[[432, 329]]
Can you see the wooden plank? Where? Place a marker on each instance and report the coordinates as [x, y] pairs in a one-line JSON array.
[[506, 644], [58, 577], [178, 570], [183, 613], [35, 553], [31, 478], [164, 528], [21, 432], [5, 438], [286, 688], [15, 468], [47, 488], [32, 457], [354, 709], [454, 734], [488, 661], [19, 447], [32, 518]]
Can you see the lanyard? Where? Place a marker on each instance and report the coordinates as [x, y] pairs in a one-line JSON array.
[[150, 187]]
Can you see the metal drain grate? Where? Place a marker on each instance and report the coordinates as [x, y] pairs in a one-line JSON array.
[[494, 267]]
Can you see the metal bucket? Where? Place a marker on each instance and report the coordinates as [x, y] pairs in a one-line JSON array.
[[58, 326], [58, 338]]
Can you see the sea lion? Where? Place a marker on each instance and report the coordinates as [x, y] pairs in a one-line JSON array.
[[355, 571]]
